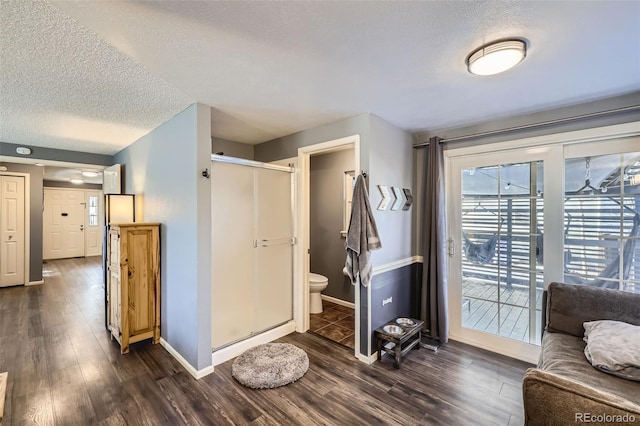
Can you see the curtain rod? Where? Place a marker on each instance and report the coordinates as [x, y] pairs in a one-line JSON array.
[[534, 125]]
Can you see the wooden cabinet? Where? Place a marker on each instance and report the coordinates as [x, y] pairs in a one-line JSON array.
[[133, 285]]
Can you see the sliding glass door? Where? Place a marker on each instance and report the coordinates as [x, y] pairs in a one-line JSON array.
[[497, 229], [602, 221], [524, 217], [501, 265]]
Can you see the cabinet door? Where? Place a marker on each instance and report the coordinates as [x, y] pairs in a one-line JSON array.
[[113, 263], [140, 276], [114, 300]]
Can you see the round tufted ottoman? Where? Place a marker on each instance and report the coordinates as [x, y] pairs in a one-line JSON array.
[[270, 365]]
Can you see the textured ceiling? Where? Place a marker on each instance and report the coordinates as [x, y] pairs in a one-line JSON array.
[[62, 86], [273, 68]]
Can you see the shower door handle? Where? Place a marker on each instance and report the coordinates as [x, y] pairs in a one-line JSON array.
[[274, 242]]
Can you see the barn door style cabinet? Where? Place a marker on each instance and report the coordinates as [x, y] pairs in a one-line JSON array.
[[133, 262]]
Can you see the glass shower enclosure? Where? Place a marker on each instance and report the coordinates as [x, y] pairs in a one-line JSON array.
[[252, 253]]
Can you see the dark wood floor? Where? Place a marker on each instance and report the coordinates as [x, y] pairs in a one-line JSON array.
[[64, 369]]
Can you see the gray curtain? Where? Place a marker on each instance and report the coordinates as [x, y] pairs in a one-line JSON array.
[[434, 310]]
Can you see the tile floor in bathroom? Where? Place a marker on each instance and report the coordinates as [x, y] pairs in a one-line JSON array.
[[336, 323]]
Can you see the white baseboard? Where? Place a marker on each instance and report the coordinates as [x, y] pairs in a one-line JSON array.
[[338, 301], [35, 283], [368, 359], [229, 352], [197, 374]]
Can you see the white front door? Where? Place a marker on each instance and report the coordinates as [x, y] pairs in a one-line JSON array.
[[63, 223], [93, 224], [11, 230]]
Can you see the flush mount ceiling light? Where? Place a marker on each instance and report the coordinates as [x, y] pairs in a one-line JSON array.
[[496, 57], [90, 173]]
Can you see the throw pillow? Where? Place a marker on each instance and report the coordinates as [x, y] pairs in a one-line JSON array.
[[613, 347]]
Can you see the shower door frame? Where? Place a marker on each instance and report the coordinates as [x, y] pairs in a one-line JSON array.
[[230, 350]]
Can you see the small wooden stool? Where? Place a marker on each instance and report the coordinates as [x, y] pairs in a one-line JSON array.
[[402, 342]]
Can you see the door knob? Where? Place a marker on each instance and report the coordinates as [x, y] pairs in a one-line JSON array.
[[10, 236], [82, 227]]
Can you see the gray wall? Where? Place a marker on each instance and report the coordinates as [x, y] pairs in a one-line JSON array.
[[390, 164], [385, 153], [203, 232], [39, 153], [287, 146], [169, 189], [402, 285], [231, 148], [622, 101], [326, 220], [35, 200]]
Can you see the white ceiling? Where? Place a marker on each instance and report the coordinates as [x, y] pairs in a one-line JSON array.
[[65, 174], [111, 71]]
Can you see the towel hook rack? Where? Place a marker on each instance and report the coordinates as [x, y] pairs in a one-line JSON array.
[[364, 174]]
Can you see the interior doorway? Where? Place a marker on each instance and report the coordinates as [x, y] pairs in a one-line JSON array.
[[331, 299], [303, 251], [13, 258]]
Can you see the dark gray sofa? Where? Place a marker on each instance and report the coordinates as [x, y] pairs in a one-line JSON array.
[[564, 384]]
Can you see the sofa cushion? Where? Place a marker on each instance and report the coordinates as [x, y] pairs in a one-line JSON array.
[[563, 354], [551, 399], [569, 306], [613, 347]]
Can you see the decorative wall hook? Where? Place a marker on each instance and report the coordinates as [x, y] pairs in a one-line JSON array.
[[206, 173]]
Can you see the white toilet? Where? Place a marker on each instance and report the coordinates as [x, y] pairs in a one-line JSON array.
[[317, 284]]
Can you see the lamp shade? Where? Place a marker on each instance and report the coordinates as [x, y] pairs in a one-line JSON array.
[[120, 208], [496, 57]]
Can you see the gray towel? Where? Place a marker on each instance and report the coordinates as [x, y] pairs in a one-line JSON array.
[[362, 236]]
